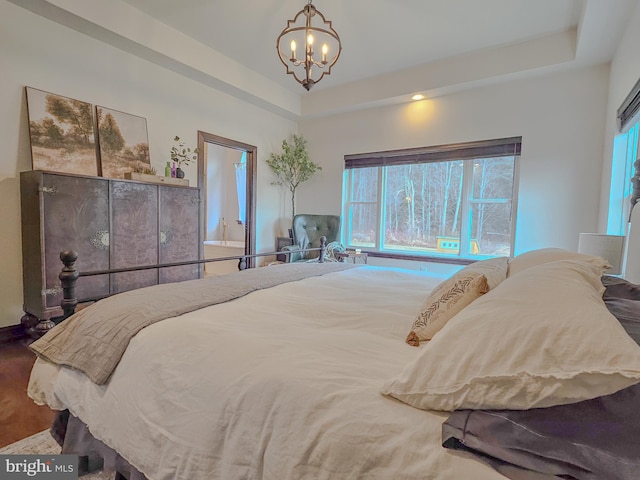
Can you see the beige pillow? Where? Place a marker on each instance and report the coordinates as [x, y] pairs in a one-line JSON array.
[[495, 269], [544, 255], [543, 337], [446, 300]]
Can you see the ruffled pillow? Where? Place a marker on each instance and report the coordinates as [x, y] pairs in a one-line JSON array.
[[533, 258], [495, 269]]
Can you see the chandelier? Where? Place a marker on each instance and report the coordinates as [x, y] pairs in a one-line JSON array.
[[306, 66]]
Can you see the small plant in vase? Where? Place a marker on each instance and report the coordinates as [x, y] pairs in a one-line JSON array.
[[182, 155]]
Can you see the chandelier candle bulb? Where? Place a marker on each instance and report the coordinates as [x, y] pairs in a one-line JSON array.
[[293, 50], [325, 49]]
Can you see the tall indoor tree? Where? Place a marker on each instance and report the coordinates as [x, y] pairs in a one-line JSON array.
[[293, 166]]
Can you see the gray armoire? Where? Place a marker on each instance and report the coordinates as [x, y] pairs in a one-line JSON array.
[[111, 224]]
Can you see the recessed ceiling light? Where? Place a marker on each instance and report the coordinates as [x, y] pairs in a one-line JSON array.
[[417, 96]]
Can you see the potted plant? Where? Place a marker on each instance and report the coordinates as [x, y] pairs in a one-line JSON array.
[[182, 155], [292, 166], [145, 169], [142, 172]]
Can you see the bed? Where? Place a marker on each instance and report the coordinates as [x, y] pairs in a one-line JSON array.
[[334, 371]]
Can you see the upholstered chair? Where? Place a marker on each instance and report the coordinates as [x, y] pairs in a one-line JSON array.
[[307, 230]]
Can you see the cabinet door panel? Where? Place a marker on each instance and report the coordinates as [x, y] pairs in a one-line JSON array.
[[179, 232], [134, 212], [75, 212]]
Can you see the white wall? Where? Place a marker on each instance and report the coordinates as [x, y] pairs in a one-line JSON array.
[[560, 117], [39, 53]]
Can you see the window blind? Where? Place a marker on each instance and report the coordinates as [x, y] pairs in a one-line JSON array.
[[501, 147], [629, 107]]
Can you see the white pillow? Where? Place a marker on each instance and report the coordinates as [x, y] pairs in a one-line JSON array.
[[494, 269], [543, 337], [544, 255]]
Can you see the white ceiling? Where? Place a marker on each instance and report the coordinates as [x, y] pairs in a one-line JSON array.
[[391, 48], [378, 36]]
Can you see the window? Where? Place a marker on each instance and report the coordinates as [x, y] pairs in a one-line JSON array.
[[625, 153], [453, 200], [625, 148]]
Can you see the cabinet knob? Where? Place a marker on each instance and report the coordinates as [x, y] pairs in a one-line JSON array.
[[100, 239], [165, 237]]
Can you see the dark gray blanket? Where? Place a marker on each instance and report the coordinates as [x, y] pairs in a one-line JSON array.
[[597, 439], [592, 440]]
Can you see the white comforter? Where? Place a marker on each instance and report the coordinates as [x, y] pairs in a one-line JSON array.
[[280, 384]]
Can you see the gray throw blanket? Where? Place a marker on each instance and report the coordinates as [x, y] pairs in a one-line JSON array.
[[94, 339]]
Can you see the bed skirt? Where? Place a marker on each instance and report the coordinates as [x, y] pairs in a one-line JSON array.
[[75, 439]]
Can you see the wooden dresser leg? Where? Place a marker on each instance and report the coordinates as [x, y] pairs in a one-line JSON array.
[[35, 327], [41, 328], [28, 321]]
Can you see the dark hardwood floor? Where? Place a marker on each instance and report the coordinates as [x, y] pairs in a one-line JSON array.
[[19, 416]]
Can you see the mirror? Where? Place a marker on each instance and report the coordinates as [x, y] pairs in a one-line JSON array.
[[227, 182]]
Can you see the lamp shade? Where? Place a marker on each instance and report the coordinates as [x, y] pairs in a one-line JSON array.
[[609, 247]]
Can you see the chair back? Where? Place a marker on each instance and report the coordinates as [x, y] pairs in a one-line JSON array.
[[308, 228]]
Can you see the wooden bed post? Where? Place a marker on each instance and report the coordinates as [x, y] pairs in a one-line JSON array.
[[68, 277], [323, 248]]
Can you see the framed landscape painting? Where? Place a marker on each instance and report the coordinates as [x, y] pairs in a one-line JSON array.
[[123, 143], [62, 135]]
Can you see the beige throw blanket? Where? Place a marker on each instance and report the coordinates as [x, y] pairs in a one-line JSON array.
[[94, 339]]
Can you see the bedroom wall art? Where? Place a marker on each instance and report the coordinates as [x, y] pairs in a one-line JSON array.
[[62, 134], [123, 142]]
